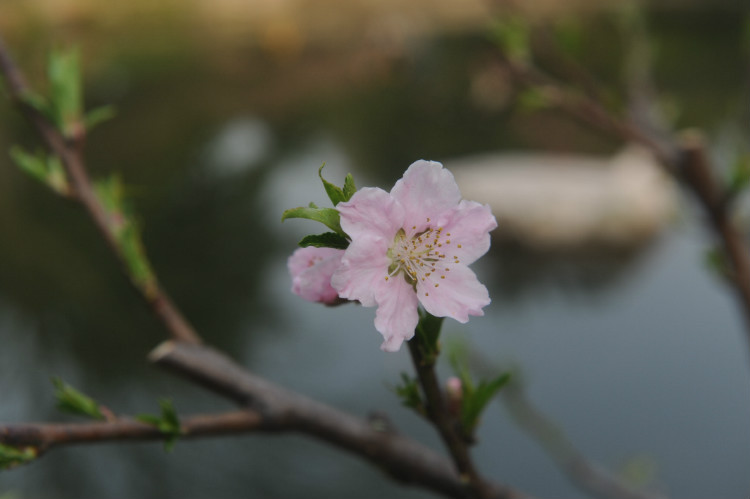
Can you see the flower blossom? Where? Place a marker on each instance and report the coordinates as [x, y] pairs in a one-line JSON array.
[[413, 246], [311, 270]]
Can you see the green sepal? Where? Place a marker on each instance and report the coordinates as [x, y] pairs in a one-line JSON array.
[[45, 168], [167, 423], [72, 401], [327, 216], [325, 240], [427, 336], [10, 456], [409, 393]]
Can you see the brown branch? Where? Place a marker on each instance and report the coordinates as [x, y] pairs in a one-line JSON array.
[[402, 458], [438, 414], [83, 192], [45, 436]]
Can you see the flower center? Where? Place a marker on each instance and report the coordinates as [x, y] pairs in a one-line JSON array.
[[423, 258]]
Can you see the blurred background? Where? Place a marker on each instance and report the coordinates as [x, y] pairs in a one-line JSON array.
[[226, 108]]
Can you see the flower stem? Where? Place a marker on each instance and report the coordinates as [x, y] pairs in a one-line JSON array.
[[446, 424]]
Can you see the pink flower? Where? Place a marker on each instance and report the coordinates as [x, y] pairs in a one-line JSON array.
[[311, 269], [411, 246]]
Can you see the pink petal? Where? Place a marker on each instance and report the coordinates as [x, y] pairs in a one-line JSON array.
[[371, 212], [363, 268], [311, 270], [457, 295], [469, 226], [426, 191], [397, 316]]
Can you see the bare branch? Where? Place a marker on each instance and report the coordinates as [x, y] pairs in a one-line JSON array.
[[44, 436], [402, 458]]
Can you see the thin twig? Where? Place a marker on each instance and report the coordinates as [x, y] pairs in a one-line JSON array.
[[45, 436], [83, 192], [438, 414]]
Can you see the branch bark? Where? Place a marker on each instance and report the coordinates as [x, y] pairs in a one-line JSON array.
[[402, 458], [45, 436]]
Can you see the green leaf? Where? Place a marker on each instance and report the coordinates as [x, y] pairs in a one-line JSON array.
[[127, 234], [325, 240], [327, 216], [335, 193], [66, 100], [349, 187], [533, 99], [408, 392], [34, 165], [167, 423], [716, 261], [739, 175], [476, 400], [512, 34], [99, 115], [72, 401], [10, 456]]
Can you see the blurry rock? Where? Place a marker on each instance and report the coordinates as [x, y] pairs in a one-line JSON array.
[[566, 202]]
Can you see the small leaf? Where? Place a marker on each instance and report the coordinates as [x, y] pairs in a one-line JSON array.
[[716, 261], [74, 402], [349, 187], [46, 169], [335, 193], [327, 216], [167, 423], [98, 115], [739, 175], [408, 392], [512, 34], [10, 456], [127, 234], [476, 400], [534, 99], [35, 166], [325, 240], [66, 100]]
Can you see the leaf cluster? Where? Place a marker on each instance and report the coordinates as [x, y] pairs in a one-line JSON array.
[[10, 456], [64, 105], [167, 423], [327, 216]]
